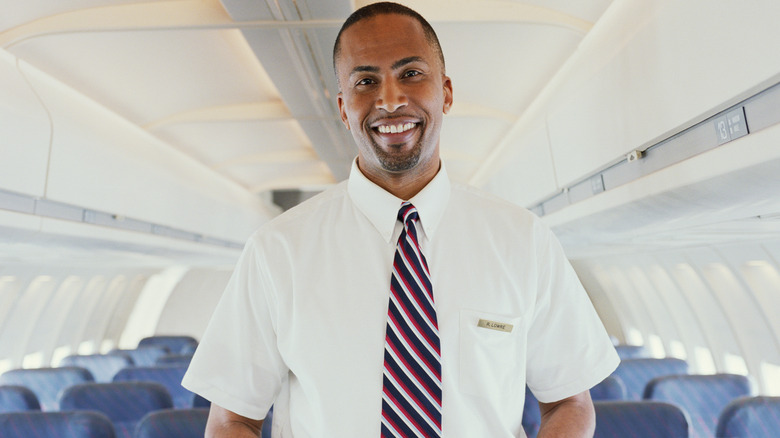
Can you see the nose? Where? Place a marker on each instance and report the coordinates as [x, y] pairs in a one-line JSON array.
[[391, 97]]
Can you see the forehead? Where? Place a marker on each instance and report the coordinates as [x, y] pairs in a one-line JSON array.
[[382, 40]]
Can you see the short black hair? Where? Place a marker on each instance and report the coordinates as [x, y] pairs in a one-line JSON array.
[[383, 8]]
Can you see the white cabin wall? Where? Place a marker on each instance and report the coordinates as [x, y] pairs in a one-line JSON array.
[[714, 306], [645, 71], [50, 311], [190, 305]]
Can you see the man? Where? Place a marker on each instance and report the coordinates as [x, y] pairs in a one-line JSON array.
[[356, 321]]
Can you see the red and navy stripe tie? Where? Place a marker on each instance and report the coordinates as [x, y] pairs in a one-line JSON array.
[[411, 390]]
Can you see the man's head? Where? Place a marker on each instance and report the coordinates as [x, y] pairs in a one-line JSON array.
[[380, 8], [393, 91]]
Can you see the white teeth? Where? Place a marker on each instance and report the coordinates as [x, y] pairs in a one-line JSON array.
[[395, 129]]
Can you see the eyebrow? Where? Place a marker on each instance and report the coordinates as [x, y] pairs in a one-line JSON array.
[[396, 65]]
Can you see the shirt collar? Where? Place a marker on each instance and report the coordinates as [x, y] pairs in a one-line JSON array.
[[381, 207]]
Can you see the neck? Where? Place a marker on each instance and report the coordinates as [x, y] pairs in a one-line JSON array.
[[403, 185]]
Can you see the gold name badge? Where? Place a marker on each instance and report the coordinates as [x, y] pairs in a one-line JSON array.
[[493, 325]]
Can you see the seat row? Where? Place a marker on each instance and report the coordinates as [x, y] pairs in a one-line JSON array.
[[43, 388], [702, 398], [166, 423]]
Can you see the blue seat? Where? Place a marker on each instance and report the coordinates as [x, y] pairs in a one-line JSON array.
[[14, 398], [143, 356], [46, 383], [178, 423], [750, 417], [532, 417], [611, 388], [168, 375], [637, 373], [632, 351], [124, 403], [55, 425], [174, 359], [188, 349], [102, 366], [703, 397], [639, 419], [175, 344]]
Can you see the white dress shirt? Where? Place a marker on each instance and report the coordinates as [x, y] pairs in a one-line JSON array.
[[301, 324]]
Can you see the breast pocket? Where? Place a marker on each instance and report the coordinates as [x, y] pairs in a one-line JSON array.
[[491, 354]]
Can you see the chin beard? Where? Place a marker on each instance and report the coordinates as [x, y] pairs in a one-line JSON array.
[[398, 163]]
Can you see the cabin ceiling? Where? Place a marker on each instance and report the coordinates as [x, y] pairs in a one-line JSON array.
[[247, 88]]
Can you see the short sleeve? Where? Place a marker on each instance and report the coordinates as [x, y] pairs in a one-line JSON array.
[[237, 364], [569, 350]]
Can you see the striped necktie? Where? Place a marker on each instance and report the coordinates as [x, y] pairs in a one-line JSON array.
[[411, 389]]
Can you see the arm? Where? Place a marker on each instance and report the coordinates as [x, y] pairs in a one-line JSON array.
[[571, 417], [224, 423]]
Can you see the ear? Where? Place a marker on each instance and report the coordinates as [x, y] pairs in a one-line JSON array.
[[447, 87], [342, 111]]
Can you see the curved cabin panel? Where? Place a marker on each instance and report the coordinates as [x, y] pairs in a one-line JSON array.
[[25, 133]]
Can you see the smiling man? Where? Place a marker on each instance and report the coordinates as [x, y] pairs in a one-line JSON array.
[[397, 303]]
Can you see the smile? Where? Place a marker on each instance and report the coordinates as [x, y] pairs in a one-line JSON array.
[[395, 129]]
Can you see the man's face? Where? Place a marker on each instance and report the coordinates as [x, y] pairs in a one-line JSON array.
[[393, 95]]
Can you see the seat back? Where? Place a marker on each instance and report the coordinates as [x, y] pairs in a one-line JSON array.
[[631, 351], [124, 403], [703, 397], [14, 398], [167, 423], [637, 373], [611, 388], [102, 366], [532, 417], [174, 359], [55, 425], [46, 383], [175, 344], [143, 356], [639, 419], [750, 417], [168, 375]]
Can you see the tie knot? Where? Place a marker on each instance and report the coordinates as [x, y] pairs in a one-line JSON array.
[[407, 213]]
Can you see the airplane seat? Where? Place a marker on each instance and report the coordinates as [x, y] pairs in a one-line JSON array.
[[532, 417], [200, 402], [188, 349], [179, 423], [636, 373], [124, 403], [611, 388], [81, 424], [265, 432], [47, 383], [640, 419], [15, 398], [750, 417], [168, 375], [102, 366], [175, 344], [631, 351], [174, 359], [143, 356], [703, 397]]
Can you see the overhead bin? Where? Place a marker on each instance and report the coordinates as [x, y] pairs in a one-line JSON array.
[[25, 132]]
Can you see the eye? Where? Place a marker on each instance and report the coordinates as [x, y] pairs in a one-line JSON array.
[[364, 81], [411, 73]]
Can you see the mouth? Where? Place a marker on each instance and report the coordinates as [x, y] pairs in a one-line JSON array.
[[395, 129], [396, 132]]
